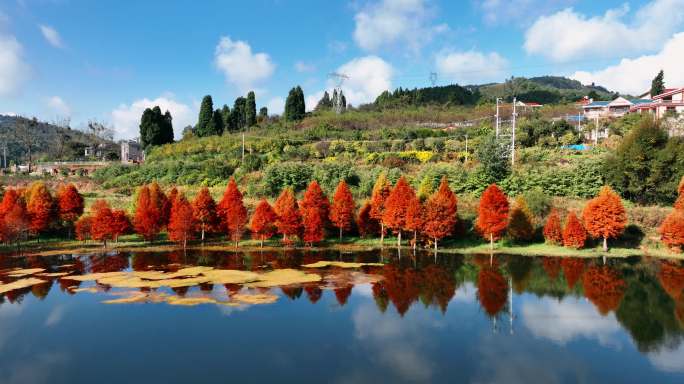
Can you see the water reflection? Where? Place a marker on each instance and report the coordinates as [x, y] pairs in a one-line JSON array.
[[560, 301]]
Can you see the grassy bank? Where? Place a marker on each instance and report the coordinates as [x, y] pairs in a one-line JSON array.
[[132, 243]]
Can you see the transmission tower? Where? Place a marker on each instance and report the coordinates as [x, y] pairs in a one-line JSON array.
[[339, 80], [433, 78]]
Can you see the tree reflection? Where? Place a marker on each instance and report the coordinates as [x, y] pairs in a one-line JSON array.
[[342, 294], [552, 267], [573, 268], [492, 289], [604, 287], [313, 292]]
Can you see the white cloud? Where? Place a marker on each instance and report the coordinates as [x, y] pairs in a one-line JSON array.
[[51, 35], [313, 98], [302, 67], [126, 118], [276, 106], [404, 23], [368, 77], [668, 360], [569, 319], [58, 105], [471, 66], [568, 35], [519, 11], [240, 66], [634, 76], [13, 70]]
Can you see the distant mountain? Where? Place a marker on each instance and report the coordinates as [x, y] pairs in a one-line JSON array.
[[49, 142], [543, 89]]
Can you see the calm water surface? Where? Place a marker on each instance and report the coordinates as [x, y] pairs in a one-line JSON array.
[[415, 319]]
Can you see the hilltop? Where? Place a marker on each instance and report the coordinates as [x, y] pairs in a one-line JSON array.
[[50, 142]]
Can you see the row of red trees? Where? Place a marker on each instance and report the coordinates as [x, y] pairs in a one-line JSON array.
[[672, 229]]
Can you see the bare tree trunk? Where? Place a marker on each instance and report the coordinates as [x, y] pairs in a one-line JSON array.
[[340, 234], [202, 233], [382, 234], [415, 239], [399, 239], [491, 241], [605, 244]]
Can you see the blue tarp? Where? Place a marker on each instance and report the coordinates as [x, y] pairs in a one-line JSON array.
[[577, 147]]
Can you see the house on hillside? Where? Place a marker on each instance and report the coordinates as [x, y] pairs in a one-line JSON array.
[[668, 103], [611, 109], [525, 105], [131, 152]]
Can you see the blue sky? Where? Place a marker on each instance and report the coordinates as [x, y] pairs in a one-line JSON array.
[[109, 59]]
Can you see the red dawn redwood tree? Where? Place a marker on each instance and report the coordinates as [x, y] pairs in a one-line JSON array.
[[314, 209], [342, 209], [204, 209], [672, 230], [233, 211], [604, 216], [366, 224], [16, 222], [263, 224], [492, 217], [40, 207], [381, 191], [574, 234], [182, 222], [161, 201], [121, 224], [70, 204], [289, 221], [396, 204], [8, 200], [552, 229], [147, 215], [101, 224], [82, 227], [440, 213], [679, 204], [415, 216]]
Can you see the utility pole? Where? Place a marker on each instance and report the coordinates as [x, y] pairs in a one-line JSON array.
[[596, 120], [513, 134], [497, 116], [579, 122], [466, 156]]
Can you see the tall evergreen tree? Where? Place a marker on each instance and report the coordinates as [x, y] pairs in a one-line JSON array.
[[658, 84], [217, 126], [237, 115], [204, 121], [324, 103], [225, 116], [295, 107], [263, 113], [343, 101], [155, 128], [250, 110]]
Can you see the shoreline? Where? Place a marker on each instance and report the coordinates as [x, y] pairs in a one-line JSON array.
[[59, 247]]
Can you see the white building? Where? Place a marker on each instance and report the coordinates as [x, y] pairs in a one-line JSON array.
[[131, 152], [611, 109], [668, 103]]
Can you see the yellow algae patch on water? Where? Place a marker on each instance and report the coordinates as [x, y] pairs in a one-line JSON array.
[[191, 301], [179, 283], [133, 297], [19, 284], [86, 289], [230, 276], [93, 276], [255, 299], [54, 274], [340, 264], [24, 272], [189, 271], [281, 277], [151, 275]]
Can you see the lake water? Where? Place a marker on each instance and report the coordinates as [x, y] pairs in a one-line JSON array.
[[415, 319]]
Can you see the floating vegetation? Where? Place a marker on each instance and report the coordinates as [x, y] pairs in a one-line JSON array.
[[19, 284], [24, 272], [283, 277], [53, 274], [160, 297], [340, 264]]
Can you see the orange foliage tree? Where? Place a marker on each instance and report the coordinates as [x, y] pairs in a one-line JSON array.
[[182, 221], [367, 225], [147, 215], [394, 216], [204, 209], [40, 207], [233, 211], [16, 222], [604, 287], [492, 217], [553, 233], [342, 208], [82, 227], [414, 219], [672, 230], [263, 223], [381, 191], [8, 200], [314, 209], [121, 224], [440, 213], [679, 204], [574, 235], [70, 204], [162, 202], [289, 221], [101, 224], [605, 216], [521, 223]]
